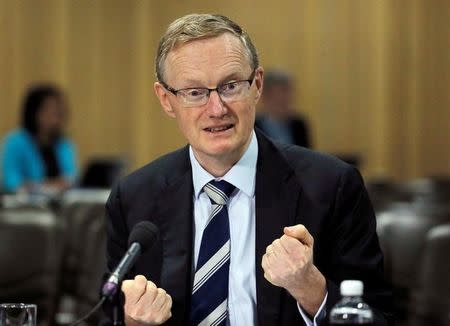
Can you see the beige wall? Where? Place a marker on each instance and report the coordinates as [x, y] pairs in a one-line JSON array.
[[373, 76]]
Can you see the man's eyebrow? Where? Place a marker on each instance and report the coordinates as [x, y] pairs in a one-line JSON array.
[[233, 76], [193, 83]]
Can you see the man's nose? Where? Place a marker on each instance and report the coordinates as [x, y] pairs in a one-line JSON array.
[[215, 106]]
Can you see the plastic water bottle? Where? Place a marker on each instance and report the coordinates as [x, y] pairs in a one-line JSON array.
[[351, 310]]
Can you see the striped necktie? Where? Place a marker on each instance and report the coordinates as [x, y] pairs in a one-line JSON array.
[[210, 291]]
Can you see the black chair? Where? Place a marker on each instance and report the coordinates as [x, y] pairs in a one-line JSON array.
[[385, 193], [431, 304], [102, 173], [85, 251], [30, 256], [402, 233], [94, 262], [433, 191]]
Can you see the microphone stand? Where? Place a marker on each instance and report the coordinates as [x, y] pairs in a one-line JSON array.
[[117, 308], [90, 313], [112, 300]]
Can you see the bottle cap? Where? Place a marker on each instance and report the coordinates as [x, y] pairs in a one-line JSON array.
[[352, 288]]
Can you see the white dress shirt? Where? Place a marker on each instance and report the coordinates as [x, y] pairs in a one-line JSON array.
[[241, 212]]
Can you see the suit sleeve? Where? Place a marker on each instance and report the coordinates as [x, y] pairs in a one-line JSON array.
[[354, 250], [116, 246], [116, 229]]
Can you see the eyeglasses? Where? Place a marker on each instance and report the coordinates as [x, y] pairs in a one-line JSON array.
[[228, 92]]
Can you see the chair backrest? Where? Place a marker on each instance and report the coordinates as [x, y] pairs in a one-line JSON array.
[[30, 256], [85, 255], [79, 209], [434, 190], [94, 258], [385, 192], [432, 300], [402, 236], [102, 173]]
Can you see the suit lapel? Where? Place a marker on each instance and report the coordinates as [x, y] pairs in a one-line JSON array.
[[175, 215], [277, 195]]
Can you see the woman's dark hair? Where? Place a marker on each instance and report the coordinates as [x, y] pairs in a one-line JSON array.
[[32, 104]]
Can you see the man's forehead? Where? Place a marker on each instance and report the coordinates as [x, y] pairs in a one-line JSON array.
[[221, 54]]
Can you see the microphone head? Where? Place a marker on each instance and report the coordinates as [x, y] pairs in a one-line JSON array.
[[145, 233]]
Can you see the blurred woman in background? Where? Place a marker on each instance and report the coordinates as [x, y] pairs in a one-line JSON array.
[[37, 155]]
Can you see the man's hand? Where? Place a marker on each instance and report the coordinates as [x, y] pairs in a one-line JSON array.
[[145, 304], [288, 263]]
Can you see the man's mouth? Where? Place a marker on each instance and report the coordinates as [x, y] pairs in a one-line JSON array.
[[219, 129]]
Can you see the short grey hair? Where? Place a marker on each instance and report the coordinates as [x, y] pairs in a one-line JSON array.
[[200, 26]]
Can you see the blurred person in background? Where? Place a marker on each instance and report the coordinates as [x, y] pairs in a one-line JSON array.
[[278, 118], [38, 155]]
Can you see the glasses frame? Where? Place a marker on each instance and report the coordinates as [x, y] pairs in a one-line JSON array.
[[174, 91]]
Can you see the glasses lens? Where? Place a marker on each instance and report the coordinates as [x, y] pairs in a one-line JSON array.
[[230, 92], [194, 96], [234, 91]]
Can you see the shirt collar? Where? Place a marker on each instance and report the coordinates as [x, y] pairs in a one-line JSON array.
[[241, 175]]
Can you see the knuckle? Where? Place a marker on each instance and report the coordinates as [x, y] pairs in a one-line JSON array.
[[133, 314], [126, 285], [151, 286], [272, 276], [140, 278], [264, 262]]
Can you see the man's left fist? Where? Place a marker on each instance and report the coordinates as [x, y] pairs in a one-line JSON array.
[[289, 258], [288, 263]]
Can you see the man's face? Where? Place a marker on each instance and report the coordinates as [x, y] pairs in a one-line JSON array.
[[217, 129]]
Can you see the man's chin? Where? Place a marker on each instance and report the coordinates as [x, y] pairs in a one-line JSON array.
[[218, 150]]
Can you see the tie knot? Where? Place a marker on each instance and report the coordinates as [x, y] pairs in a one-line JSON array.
[[219, 191]]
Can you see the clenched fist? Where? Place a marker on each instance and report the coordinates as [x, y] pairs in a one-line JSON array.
[[288, 263], [145, 304]]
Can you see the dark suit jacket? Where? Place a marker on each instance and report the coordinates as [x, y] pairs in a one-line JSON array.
[[293, 185]]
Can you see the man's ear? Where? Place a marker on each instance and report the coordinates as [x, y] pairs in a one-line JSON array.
[[163, 97], [259, 82]]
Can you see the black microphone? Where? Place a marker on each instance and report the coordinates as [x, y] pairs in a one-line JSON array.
[[142, 237]]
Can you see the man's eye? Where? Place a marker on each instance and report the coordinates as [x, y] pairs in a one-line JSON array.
[[229, 87], [195, 92]]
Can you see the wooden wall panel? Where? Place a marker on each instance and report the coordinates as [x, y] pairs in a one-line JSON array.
[[372, 76]]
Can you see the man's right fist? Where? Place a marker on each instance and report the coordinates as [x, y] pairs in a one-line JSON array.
[[145, 304]]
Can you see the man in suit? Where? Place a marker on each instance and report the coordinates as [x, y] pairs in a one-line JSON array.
[[251, 232], [278, 118]]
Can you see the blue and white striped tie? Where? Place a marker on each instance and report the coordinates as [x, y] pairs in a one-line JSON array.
[[210, 291]]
